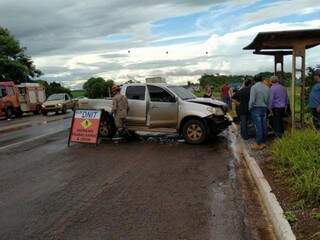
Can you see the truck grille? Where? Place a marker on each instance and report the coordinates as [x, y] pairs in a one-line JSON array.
[[50, 106]]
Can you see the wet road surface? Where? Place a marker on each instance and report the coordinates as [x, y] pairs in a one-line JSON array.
[[31, 126], [127, 191]]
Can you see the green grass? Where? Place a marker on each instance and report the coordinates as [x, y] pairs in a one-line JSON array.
[[297, 156], [78, 93], [290, 216]]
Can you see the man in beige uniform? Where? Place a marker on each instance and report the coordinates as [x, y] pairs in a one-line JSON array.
[[120, 109]]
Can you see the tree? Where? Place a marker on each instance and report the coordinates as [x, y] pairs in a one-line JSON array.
[[15, 65], [98, 87], [53, 88]]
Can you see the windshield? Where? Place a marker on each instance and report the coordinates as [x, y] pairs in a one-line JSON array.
[[182, 93], [55, 97]]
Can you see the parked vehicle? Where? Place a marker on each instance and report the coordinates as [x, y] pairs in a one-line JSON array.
[[32, 96], [164, 108], [235, 86], [60, 102], [9, 100]]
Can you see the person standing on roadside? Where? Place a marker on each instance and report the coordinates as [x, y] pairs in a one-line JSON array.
[[278, 104], [258, 106], [242, 98], [120, 109], [226, 93], [314, 100], [207, 92]]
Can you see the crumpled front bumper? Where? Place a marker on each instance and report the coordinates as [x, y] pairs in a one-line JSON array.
[[218, 124]]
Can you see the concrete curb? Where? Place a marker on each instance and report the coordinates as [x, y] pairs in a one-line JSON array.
[[281, 226]]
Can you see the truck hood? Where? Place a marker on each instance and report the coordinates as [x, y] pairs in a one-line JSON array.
[[49, 103], [210, 102]]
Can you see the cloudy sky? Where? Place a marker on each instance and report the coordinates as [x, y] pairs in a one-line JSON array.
[[72, 40]]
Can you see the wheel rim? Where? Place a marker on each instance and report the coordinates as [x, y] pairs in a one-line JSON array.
[[194, 132]]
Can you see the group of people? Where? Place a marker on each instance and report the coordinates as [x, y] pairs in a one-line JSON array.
[[268, 97], [256, 102], [225, 94]]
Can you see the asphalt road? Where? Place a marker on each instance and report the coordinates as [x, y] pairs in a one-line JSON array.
[[127, 191], [29, 127]]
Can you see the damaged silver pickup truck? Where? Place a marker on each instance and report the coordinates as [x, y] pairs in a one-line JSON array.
[[167, 109]]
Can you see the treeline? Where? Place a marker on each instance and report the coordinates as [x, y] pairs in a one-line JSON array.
[[98, 87], [216, 81], [53, 87]]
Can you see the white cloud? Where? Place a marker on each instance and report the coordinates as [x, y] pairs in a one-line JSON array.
[[184, 62], [283, 8], [68, 38]]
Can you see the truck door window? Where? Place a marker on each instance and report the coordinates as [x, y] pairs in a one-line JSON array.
[[158, 94], [136, 92], [3, 92]]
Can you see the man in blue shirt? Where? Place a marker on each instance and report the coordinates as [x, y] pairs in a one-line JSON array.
[[314, 100], [258, 106], [278, 103]]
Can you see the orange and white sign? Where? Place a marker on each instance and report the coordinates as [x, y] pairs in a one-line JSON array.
[[85, 126]]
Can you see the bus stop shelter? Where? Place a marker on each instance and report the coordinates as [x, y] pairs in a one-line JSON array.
[[282, 43]]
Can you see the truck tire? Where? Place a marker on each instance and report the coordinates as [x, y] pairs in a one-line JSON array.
[[44, 113], [64, 110], [194, 131], [18, 113], [107, 126], [9, 113], [37, 111]]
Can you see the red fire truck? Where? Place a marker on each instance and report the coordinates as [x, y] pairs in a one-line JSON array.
[[18, 99], [32, 96], [9, 100]]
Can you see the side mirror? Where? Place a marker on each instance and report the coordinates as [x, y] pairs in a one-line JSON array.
[[173, 99]]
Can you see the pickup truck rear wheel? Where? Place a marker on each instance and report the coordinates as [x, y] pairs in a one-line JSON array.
[[194, 131], [107, 127]]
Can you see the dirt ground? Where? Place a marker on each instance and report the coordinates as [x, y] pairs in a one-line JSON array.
[[306, 227], [127, 191]]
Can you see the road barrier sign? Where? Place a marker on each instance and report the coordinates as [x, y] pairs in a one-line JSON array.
[[85, 126]]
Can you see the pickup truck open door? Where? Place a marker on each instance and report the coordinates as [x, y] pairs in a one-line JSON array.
[[162, 109], [137, 105]]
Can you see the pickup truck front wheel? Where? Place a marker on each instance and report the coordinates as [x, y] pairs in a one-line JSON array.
[[64, 110], [194, 131]]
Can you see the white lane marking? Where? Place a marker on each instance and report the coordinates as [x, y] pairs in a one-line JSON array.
[[31, 139]]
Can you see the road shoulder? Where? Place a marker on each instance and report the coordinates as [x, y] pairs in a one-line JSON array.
[[281, 226]]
